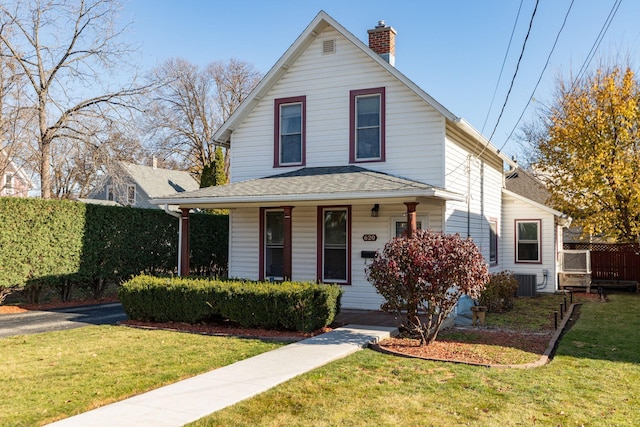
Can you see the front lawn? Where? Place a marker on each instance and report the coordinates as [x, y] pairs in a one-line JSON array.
[[45, 377], [593, 380]]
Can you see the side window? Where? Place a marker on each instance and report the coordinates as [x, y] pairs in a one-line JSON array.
[[493, 241], [367, 125], [528, 241], [399, 225], [289, 134]]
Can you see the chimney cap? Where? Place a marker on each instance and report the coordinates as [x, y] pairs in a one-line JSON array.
[[381, 24]]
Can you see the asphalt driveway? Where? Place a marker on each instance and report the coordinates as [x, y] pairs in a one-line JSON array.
[[34, 322]]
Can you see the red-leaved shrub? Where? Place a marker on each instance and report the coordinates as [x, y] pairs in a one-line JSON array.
[[421, 279]]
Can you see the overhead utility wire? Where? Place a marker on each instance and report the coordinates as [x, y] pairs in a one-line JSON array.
[[596, 44], [510, 87], [516, 71], [504, 61], [539, 78]]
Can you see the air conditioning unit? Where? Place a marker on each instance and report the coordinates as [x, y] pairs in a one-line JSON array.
[[527, 285], [575, 261]]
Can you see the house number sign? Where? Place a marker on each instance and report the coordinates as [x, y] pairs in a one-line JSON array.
[[370, 237]]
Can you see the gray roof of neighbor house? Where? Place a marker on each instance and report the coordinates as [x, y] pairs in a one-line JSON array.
[[521, 182], [311, 184], [157, 182]]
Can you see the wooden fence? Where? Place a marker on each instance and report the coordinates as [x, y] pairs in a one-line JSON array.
[[612, 261]]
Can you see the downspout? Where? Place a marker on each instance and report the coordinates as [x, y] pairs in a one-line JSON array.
[[177, 215]]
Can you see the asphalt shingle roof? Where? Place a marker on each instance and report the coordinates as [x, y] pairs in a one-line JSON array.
[[332, 180]]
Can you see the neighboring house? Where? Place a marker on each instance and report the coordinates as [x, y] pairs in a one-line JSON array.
[[13, 182], [335, 152], [136, 184]]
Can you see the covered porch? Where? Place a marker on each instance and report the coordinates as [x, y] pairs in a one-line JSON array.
[[314, 223]]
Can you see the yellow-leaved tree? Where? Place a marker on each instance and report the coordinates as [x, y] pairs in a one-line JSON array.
[[589, 153]]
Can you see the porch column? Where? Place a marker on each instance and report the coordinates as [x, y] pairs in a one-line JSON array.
[[184, 242], [411, 218], [287, 244]]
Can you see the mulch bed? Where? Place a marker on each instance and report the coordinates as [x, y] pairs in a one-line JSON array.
[[469, 352]]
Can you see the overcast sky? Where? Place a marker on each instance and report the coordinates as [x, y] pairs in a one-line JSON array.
[[452, 50]]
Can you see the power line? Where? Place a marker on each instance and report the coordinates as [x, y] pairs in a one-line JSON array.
[[539, 78], [596, 43], [504, 61], [524, 44]]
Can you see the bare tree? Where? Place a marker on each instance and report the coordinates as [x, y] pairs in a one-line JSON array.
[[80, 164], [63, 48], [13, 117], [186, 110]]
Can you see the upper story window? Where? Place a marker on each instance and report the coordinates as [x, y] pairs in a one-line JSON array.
[[131, 194], [289, 135], [367, 125], [528, 241]]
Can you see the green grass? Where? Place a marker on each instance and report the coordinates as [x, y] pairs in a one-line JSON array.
[[594, 380], [49, 376], [533, 314]]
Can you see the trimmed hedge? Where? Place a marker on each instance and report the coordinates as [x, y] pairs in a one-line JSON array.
[[300, 306], [63, 244]]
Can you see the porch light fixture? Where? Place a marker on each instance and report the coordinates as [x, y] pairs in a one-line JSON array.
[[374, 210]]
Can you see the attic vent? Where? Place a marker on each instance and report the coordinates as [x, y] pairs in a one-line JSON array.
[[329, 47]]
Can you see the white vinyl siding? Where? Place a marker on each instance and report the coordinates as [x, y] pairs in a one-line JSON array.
[[244, 237], [512, 210], [244, 229], [414, 130], [482, 183]]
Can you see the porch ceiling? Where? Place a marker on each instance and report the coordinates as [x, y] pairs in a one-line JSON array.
[[310, 185]]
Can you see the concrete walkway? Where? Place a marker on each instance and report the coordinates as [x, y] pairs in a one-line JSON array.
[[189, 400]]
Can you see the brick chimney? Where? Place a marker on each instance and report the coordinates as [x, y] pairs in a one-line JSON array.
[[382, 40]]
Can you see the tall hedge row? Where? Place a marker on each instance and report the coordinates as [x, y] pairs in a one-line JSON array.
[[66, 243]]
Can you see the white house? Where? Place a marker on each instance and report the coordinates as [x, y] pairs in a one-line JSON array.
[[335, 152]]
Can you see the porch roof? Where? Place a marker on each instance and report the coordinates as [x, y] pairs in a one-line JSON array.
[[310, 184]]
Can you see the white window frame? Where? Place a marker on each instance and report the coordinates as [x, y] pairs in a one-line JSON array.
[[358, 127], [8, 184], [538, 223], [131, 200], [109, 194], [423, 220]]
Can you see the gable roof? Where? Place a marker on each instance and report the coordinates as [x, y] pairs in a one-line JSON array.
[[311, 184], [322, 20], [156, 182], [521, 182]]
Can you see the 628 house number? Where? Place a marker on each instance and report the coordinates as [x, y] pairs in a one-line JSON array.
[[370, 237]]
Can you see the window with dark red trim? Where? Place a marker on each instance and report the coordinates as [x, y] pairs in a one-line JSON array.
[[271, 244], [334, 244], [367, 125], [289, 131], [528, 241], [493, 241]]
